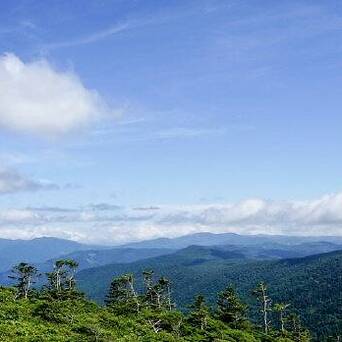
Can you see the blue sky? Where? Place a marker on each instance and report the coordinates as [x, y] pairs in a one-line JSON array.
[[180, 105]]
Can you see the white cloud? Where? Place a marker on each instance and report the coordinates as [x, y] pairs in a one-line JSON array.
[[11, 182], [15, 216], [36, 98], [322, 216]]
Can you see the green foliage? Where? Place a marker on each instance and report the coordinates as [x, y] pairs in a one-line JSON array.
[[80, 320], [25, 276], [55, 314], [61, 281], [311, 285], [122, 297], [199, 314], [157, 294], [230, 308], [260, 293]]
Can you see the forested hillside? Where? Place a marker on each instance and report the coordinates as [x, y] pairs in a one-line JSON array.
[[59, 312], [44, 251], [35, 251], [311, 285]]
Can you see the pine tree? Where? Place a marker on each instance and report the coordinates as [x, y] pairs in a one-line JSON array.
[[149, 291], [157, 295], [199, 313], [261, 294], [297, 332], [230, 309], [281, 308], [163, 294], [25, 275], [61, 281], [122, 295]]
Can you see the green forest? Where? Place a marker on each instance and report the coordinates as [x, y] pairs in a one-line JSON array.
[[58, 311], [311, 285]]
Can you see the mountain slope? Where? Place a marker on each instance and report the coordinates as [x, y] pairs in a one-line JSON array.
[[93, 258], [312, 285]]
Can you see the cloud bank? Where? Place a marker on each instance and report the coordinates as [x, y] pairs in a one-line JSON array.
[[36, 98], [116, 225]]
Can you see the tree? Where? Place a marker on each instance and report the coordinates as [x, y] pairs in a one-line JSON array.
[[157, 295], [281, 308], [25, 275], [61, 281], [148, 283], [199, 313], [122, 295], [261, 294], [70, 281], [163, 294], [297, 331], [230, 309]]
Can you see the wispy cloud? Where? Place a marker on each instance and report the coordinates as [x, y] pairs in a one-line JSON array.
[[91, 38], [181, 132], [12, 182], [136, 23]]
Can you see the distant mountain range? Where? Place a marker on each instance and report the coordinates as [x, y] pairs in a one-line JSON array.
[[210, 239], [43, 251], [37, 250]]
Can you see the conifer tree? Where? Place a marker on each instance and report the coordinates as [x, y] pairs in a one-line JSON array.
[[148, 283], [163, 294], [157, 295], [61, 281], [261, 294], [281, 308], [122, 295], [199, 313], [297, 331], [25, 275], [230, 309]]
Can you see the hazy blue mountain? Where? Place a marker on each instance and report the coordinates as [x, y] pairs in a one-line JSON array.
[[210, 239], [99, 257], [94, 258], [278, 251], [36, 250], [40, 250]]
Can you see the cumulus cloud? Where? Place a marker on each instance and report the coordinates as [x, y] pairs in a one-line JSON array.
[[36, 98], [11, 182], [115, 225]]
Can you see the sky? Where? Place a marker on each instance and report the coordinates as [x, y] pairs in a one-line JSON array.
[[129, 120]]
